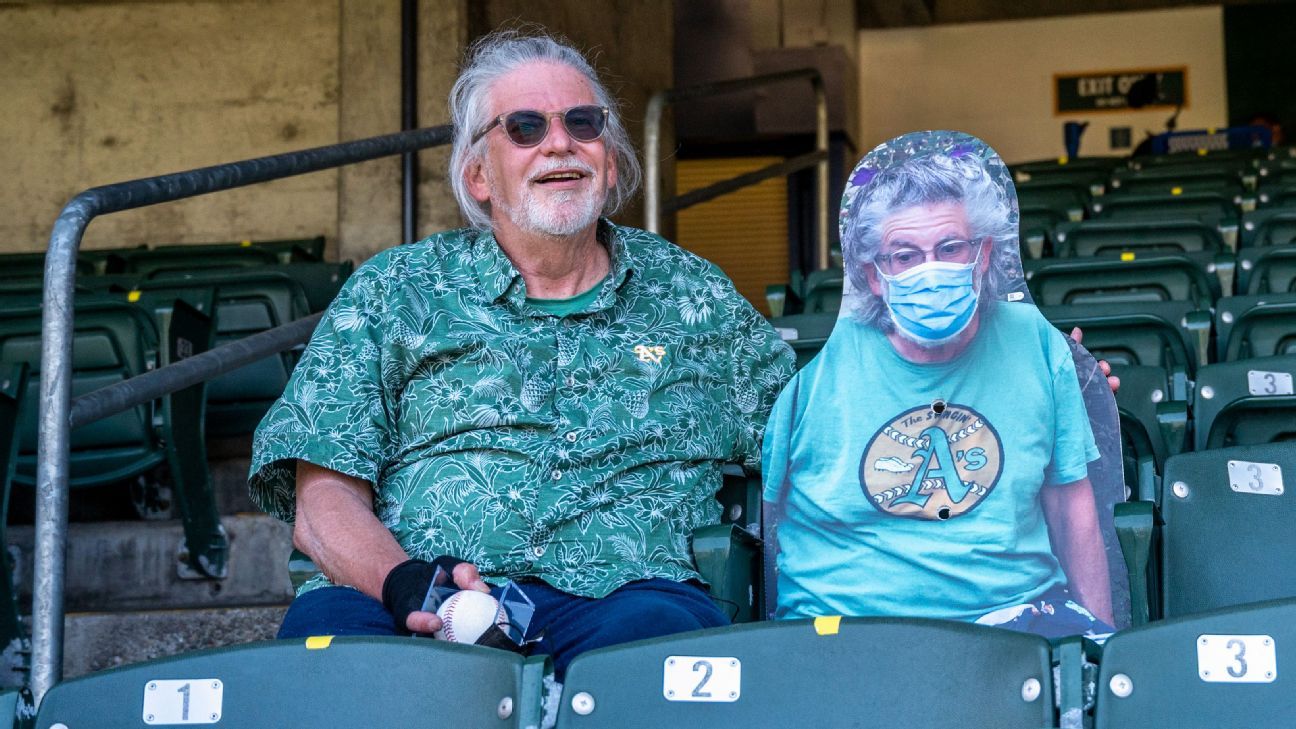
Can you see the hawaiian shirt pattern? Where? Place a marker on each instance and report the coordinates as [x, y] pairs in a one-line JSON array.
[[582, 450]]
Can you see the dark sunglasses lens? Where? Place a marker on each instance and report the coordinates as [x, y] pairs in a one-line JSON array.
[[526, 128], [584, 123]]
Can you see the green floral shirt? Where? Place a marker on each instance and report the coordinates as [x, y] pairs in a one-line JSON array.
[[582, 450]]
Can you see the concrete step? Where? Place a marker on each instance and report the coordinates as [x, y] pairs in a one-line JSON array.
[[95, 641], [118, 566]]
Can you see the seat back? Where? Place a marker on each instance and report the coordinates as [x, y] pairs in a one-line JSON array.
[[1115, 237], [1215, 669], [1249, 402], [1269, 270], [112, 341], [1207, 207], [1129, 278], [1267, 227], [1227, 512], [319, 683], [806, 333], [1150, 333], [826, 672], [1263, 330]]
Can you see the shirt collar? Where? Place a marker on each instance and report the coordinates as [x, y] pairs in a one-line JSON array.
[[501, 280]]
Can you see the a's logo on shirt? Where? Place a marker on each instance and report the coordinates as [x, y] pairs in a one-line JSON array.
[[651, 354], [932, 462]]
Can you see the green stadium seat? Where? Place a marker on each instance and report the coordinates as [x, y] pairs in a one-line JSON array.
[[827, 672], [320, 281], [1090, 171], [294, 250], [13, 387], [1131, 277], [319, 683], [823, 291], [1210, 208], [1179, 179], [1112, 237], [247, 302], [31, 266], [806, 333], [1071, 199], [1266, 270], [1281, 194], [1036, 228], [1173, 335], [1249, 402], [1152, 424], [169, 261], [1226, 517], [1224, 668], [1267, 227], [1255, 326]]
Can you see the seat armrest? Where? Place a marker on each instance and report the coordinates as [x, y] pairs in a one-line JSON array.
[[1134, 521]]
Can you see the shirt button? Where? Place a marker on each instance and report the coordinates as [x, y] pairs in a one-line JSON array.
[[571, 381], [538, 551], [571, 437], [556, 474]]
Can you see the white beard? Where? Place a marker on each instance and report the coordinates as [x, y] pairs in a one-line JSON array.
[[553, 214]]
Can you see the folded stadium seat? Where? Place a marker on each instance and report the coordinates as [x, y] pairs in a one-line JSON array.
[[823, 291], [167, 261], [1274, 226], [1224, 668], [1225, 516], [1174, 335], [806, 333], [1152, 424], [1266, 270], [319, 683], [31, 266], [1036, 228], [1090, 171], [1064, 196], [1210, 208], [1249, 402], [1128, 278], [1113, 237], [291, 250], [1277, 194], [1255, 326], [320, 281], [1181, 179], [13, 387], [247, 302], [825, 672]]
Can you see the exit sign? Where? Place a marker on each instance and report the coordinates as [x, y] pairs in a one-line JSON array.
[[1110, 90]]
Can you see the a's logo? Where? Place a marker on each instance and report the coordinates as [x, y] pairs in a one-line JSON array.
[[932, 463], [649, 354]]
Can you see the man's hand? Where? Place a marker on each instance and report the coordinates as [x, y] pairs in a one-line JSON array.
[[407, 584], [1112, 381]]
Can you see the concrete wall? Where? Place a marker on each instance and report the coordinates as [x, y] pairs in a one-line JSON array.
[[100, 92], [995, 80]]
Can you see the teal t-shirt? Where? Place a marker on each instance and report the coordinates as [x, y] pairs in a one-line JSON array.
[[914, 489], [569, 305]]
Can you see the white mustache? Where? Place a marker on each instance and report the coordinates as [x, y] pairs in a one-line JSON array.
[[554, 165]]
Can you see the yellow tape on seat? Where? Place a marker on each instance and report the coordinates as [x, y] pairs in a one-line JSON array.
[[318, 642], [827, 625]]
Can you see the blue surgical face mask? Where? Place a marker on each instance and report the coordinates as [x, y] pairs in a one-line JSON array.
[[934, 302]]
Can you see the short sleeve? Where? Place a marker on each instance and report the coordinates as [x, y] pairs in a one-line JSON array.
[[762, 363], [333, 412], [1073, 444]]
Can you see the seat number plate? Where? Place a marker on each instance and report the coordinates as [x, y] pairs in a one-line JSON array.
[[1269, 383], [1246, 477], [702, 678], [186, 701], [1237, 658]]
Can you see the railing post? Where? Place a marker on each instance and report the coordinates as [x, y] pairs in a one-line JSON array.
[[652, 161], [821, 181]]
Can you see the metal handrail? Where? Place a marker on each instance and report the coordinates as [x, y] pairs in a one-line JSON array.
[[52, 464], [654, 205]]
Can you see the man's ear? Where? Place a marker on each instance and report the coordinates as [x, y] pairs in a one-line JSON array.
[[611, 170], [475, 176]]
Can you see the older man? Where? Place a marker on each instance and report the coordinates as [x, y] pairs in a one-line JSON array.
[[932, 459], [544, 397]]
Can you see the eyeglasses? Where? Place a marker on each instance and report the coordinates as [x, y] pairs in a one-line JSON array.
[[903, 259], [527, 128]]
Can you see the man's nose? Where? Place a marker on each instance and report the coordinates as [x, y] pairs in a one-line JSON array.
[[557, 141]]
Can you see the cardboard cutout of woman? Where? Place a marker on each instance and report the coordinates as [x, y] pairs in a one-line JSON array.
[[936, 458]]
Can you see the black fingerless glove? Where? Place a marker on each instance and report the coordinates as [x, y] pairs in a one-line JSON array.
[[406, 586]]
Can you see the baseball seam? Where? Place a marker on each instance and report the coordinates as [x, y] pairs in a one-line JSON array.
[[447, 626]]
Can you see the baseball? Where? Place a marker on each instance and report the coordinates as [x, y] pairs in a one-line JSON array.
[[467, 614]]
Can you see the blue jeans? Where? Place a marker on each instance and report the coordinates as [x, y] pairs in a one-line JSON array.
[[567, 625]]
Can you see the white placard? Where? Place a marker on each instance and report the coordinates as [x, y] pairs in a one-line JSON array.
[[702, 678], [1237, 658], [1264, 383], [1248, 477], [184, 701], [788, 334]]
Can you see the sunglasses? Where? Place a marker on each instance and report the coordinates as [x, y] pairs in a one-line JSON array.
[[527, 128]]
